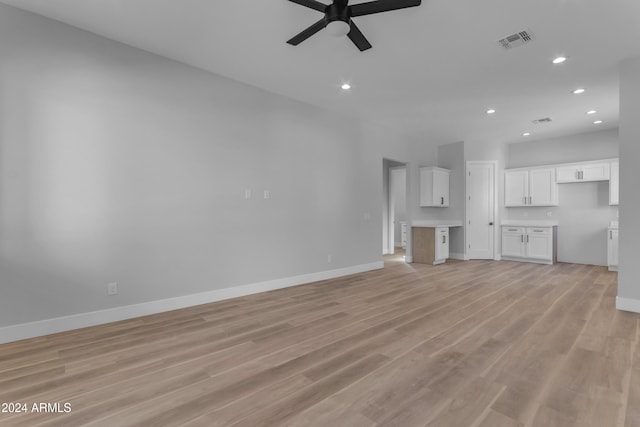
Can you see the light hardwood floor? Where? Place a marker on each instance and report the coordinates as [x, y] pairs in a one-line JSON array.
[[476, 343]]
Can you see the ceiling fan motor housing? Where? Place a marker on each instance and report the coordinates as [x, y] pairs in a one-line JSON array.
[[337, 11]]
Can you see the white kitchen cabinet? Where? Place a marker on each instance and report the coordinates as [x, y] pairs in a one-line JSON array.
[[583, 172], [614, 183], [442, 245], [434, 187], [403, 234], [530, 187], [612, 248], [430, 245], [531, 244], [513, 242]]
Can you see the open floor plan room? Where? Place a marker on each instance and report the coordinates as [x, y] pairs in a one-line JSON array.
[[478, 343]]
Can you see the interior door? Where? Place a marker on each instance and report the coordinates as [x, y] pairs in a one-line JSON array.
[[480, 228]]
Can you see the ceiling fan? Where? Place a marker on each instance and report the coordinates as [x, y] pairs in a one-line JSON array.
[[337, 18]]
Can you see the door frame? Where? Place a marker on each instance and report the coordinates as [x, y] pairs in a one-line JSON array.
[[388, 209], [496, 214]]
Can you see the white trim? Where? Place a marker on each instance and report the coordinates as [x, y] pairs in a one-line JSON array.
[[628, 304], [456, 255], [83, 320], [408, 259], [385, 251]]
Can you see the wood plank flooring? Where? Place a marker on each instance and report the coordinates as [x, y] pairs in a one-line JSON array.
[[469, 344]]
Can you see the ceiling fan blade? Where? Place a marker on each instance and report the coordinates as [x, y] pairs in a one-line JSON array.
[[311, 4], [381, 6], [358, 38], [305, 34]]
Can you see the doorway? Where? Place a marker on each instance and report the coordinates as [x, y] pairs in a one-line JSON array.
[[481, 209], [394, 210]]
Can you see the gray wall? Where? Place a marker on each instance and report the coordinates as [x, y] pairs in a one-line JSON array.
[[119, 165], [574, 148], [451, 156], [584, 212], [398, 197], [629, 270]]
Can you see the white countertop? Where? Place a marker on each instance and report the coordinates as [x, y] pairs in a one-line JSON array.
[[529, 223], [437, 223]]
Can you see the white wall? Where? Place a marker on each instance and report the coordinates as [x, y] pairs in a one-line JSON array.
[[451, 156], [398, 197], [629, 269], [573, 148], [119, 165], [584, 212]]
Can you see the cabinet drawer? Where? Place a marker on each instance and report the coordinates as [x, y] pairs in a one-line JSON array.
[[538, 231], [513, 230]]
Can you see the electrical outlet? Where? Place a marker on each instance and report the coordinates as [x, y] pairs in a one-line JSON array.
[[267, 194], [329, 258], [247, 193], [549, 213], [112, 288]]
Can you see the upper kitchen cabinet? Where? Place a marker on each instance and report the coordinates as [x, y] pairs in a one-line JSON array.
[[583, 172], [434, 187], [530, 187], [614, 183]]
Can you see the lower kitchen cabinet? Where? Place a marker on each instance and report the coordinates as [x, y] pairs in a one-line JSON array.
[[430, 245], [530, 244], [612, 249]]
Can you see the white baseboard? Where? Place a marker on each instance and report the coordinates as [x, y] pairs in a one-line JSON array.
[[456, 255], [83, 320], [628, 304], [408, 258], [385, 252]]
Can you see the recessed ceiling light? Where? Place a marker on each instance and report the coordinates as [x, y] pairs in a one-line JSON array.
[[591, 112], [597, 122], [526, 134], [491, 111], [559, 60], [578, 91], [345, 86]]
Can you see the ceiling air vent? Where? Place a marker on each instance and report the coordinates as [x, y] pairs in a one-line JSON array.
[[515, 40], [541, 121]]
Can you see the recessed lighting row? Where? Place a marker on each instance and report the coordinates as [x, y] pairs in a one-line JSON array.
[[577, 91]]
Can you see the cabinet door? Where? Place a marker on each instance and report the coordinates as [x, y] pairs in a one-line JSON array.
[[512, 242], [440, 188], [595, 172], [543, 190], [567, 174], [434, 187], [612, 252], [403, 235], [614, 183], [442, 244], [516, 188], [539, 243]]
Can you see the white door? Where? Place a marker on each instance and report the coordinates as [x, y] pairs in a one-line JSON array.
[[539, 244], [513, 242], [440, 188], [516, 188], [613, 248], [595, 172], [480, 229], [442, 243], [542, 187]]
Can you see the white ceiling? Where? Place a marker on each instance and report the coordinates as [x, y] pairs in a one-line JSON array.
[[432, 72]]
